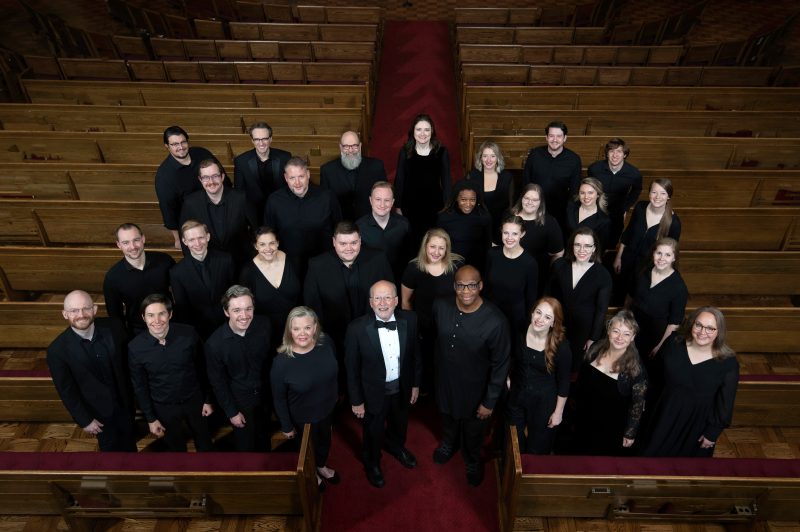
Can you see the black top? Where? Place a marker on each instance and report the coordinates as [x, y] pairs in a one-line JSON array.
[[558, 176], [259, 179], [541, 241], [529, 369], [496, 201], [622, 189], [472, 357], [352, 187], [427, 288], [304, 387], [170, 373], [124, 287], [422, 187], [174, 181], [639, 239], [237, 365], [470, 234], [598, 222], [656, 307], [512, 285], [394, 240], [273, 302]]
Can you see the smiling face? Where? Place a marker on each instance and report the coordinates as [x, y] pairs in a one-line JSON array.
[[489, 159], [616, 157], [178, 147], [466, 201], [131, 243], [435, 249], [211, 179], [262, 140], [555, 139], [156, 317], [468, 287], [531, 202], [196, 239], [297, 179], [267, 246], [347, 246], [663, 258], [240, 313], [542, 317], [620, 335], [423, 132], [704, 330], [383, 299], [658, 196], [512, 233], [583, 247], [587, 195], [79, 310], [302, 330], [381, 199]]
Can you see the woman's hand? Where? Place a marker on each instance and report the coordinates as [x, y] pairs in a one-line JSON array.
[[627, 442], [555, 420], [705, 443]]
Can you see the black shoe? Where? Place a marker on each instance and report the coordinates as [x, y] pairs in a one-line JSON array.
[[320, 484], [406, 458], [375, 476], [475, 474], [443, 454]]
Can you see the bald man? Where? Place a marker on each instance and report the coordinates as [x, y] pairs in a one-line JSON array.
[[88, 366], [351, 176]]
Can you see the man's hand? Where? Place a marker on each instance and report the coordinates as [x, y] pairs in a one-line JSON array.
[[207, 409], [157, 429], [95, 427], [483, 412], [238, 420], [358, 410]]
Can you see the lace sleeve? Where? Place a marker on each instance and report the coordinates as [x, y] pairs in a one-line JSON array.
[[636, 409]]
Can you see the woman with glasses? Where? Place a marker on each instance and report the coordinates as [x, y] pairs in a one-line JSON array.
[[468, 223], [589, 210], [610, 392], [495, 183], [701, 375], [583, 286]]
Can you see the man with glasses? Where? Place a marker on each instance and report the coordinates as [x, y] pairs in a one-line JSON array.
[[226, 213], [472, 361], [259, 172], [351, 177], [87, 363], [176, 177]]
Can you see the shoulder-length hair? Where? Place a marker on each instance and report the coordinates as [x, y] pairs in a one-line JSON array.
[[666, 217], [460, 186], [673, 244], [411, 142], [602, 199], [449, 258], [556, 334], [540, 212], [298, 312], [501, 161], [629, 363], [569, 249], [720, 348]]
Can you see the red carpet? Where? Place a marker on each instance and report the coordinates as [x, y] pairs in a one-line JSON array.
[[416, 76]]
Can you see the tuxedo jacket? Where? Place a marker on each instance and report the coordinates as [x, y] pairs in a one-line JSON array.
[[196, 304], [78, 378], [246, 179], [366, 370], [354, 203]]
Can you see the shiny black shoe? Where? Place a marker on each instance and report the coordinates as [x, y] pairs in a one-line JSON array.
[[475, 474], [406, 458], [443, 454], [375, 476]]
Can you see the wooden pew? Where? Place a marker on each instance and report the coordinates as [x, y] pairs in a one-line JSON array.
[[571, 54], [529, 35], [243, 50], [275, 31], [33, 324]]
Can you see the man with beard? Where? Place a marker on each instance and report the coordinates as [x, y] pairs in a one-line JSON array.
[[351, 176]]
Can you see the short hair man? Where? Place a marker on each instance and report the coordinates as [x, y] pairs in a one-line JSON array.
[[556, 169], [384, 370], [385, 230], [238, 359], [472, 362], [225, 211], [351, 177], [87, 363], [176, 177], [303, 214], [136, 275], [169, 377], [259, 172], [200, 279]]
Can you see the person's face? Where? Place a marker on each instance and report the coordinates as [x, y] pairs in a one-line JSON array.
[[468, 287], [240, 313], [261, 140], [383, 300], [350, 145], [466, 200], [79, 311], [423, 132], [704, 330], [616, 156], [131, 243], [156, 317], [531, 202], [297, 179], [381, 200], [211, 179], [663, 257], [620, 335], [658, 196], [436, 249], [347, 246], [302, 330], [583, 248], [178, 146], [267, 246], [512, 234], [196, 239], [542, 317], [555, 139], [587, 195], [489, 159]]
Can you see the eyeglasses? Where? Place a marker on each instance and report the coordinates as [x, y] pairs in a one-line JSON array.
[[178, 144], [261, 141], [460, 287], [213, 177], [587, 247], [624, 334], [349, 147], [76, 311], [699, 327], [383, 299]]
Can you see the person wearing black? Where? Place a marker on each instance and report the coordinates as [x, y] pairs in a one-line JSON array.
[[226, 213], [423, 177], [622, 183], [468, 223], [169, 377], [351, 176], [303, 214], [555, 168], [87, 363], [384, 370], [238, 358], [589, 210], [386, 230], [495, 183], [176, 177], [259, 172], [199, 280], [472, 360], [135, 276]]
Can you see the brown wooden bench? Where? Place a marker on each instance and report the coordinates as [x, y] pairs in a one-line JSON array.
[[746, 273], [339, 14], [277, 31], [32, 324], [548, 54], [529, 35]]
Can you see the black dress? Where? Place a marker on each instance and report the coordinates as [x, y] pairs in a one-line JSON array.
[[469, 234], [275, 303], [423, 185], [585, 306], [622, 190], [607, 409], [639, 241], [656, 307], [598, 222], [541, 241], [496, 201], [511, 284], [697, 401]]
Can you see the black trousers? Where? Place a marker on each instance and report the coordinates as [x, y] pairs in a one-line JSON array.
[[172, 416], [119, 432], [387, 426], [532, 409], [320, 437], [468, 433], [254, 436]]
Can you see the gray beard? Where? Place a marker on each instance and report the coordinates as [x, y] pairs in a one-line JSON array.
[[351, 162]]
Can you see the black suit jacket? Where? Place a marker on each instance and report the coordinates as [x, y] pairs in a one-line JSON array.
[[354, 203], [246, 179], [77, 377], [195, 304], [366, 370]]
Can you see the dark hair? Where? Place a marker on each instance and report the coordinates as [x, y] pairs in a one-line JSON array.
[[666, 217], [411, 142], [346, 227], [511, 218], [615, 143], [540, 212], [461, 186], [629, 363], [720, 348], [125, 227], [569, 249], [174, 131], [264, 230], [235, 291], [259, 125], [557, 124], [152, 299]]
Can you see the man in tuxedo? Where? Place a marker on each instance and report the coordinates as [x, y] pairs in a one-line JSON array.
[[259, 172], [90, 373], [384, 370], [351, 177], [226, 213], [200, 279]]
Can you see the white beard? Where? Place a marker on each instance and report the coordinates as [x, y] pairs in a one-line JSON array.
[[351, 162]]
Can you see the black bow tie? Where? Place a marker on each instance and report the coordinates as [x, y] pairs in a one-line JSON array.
[[391, 325]]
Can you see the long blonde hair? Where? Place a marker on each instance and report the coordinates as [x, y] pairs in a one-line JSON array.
[[449, 258]]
